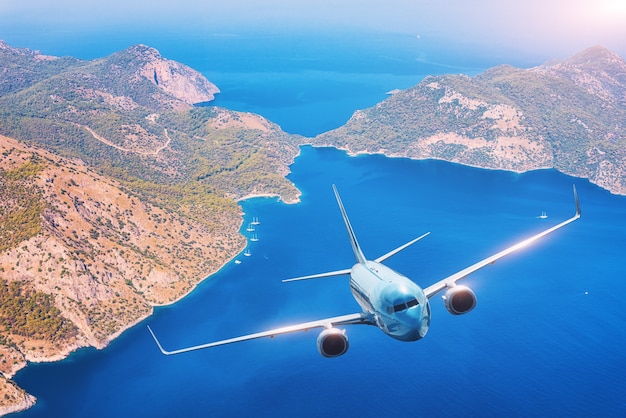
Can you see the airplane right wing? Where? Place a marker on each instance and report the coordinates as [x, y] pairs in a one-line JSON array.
[[351, 319], [450, 281]]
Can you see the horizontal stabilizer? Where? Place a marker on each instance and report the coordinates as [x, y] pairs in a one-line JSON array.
[[319, 275], [397, 250]]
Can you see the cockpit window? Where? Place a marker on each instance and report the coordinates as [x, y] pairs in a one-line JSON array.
[[403, 306], [411, 303]]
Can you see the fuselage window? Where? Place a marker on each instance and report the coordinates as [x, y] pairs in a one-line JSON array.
[[411, 303]]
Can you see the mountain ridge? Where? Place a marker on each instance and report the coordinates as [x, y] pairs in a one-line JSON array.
[[569, 115], [104, 240]]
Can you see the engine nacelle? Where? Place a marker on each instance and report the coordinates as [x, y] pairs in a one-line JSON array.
[[459, 300], [332, 342]]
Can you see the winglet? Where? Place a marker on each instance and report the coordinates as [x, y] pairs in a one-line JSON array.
[[451, 280], [167, 353], [576, 201], [355, 244]]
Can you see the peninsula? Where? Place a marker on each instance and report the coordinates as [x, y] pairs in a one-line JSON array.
[[569, 115], [118, 195]]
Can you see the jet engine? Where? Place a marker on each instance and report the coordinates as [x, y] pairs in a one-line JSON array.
[[332, 342], [459, 300]]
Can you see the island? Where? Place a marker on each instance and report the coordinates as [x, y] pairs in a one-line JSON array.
[[569, 115]]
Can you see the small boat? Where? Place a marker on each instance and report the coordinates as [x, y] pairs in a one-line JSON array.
[[254, 238], [250, 228], [247, 253], [255, 221], [237, 261], [543, 215]]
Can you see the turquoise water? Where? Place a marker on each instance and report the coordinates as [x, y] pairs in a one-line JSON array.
[[546, 338]]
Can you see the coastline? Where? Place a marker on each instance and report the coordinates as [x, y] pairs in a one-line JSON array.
[[269, 195], [29, 400], [24, 400], [351, 153]]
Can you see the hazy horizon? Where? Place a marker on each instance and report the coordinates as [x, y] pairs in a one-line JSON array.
[[535, 28]]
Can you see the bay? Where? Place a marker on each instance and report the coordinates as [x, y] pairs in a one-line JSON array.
[[307, 82], [546, 337]]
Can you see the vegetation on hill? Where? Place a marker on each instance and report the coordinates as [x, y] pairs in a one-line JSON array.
[[569, 115], [21, 206], [28, 313], [157, 145], [120, 194], [28, 67]]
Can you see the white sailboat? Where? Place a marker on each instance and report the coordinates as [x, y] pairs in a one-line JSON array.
[[254, 238], [255, 221], [247, 253], [543, 215], [250, 228]]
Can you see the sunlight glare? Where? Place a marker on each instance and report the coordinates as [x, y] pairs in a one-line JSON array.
[[611, 10]]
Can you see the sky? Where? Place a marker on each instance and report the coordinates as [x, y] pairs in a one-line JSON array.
[[556, 27]]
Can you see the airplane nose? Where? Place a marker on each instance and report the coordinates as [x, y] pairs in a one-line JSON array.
[[424, 324], [416, 324]]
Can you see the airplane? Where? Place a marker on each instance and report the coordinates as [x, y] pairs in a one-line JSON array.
[[388, 299]]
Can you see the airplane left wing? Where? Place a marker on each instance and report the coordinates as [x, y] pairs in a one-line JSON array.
[[357, 318], [450, 281]]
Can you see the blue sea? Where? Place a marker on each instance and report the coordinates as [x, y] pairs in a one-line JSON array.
[[547, 337]]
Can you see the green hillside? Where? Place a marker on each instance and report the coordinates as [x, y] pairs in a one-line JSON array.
[[569, 115], [154, 141]]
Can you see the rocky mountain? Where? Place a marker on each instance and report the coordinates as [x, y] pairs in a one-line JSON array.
[[118, 195], [140, 76], [569, 115], [96, 254], [23, 67], [138, 73], [136, 108]]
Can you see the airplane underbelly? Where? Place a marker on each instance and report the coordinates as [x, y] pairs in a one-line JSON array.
[[410, 329]]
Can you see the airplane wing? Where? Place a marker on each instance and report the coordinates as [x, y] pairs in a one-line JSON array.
[[450, 281], [357, 318]]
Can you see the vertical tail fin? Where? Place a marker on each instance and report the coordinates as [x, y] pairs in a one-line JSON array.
[[355, 244]]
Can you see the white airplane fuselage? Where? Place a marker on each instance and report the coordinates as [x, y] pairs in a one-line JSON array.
[[396, 305]]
